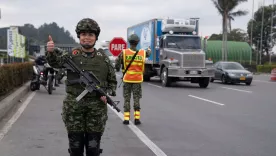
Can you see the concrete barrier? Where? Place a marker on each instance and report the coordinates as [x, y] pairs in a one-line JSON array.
[[13, 99]]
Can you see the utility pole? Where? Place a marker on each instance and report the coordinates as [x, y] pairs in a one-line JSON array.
[[257, 52], [251, 40], [271, 34], [262, 33]]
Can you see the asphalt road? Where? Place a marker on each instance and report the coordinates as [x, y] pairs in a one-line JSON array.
[[182, 120]]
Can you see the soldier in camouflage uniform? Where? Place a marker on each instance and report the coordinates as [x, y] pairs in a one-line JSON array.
[[132, 87], [85, 120]]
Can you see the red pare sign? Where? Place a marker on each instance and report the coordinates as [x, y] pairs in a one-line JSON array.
[[116, 45]]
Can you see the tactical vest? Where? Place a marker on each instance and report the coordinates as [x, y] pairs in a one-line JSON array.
[[97, 63], [134, 73]]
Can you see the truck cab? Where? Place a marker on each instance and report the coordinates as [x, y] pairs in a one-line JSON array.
[[181, 57], [177, 52]]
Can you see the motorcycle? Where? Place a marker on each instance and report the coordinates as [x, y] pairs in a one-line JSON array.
[[39, 78]]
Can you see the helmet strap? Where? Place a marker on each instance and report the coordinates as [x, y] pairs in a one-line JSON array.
[[87, 46]]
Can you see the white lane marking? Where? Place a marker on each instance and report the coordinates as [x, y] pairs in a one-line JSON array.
[[155, 149], [13, 119], [154, 85], [207, 100], [237, 89], [265, 81]]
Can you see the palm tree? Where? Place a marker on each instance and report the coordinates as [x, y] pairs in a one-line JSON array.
[[226, 10]]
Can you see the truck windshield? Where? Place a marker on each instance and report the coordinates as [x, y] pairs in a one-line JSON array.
[[183, 42]]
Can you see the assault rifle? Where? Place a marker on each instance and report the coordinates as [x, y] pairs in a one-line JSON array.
[[90, 81]]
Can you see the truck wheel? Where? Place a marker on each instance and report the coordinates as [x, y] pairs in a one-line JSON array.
[[165, 80], [204, 82]]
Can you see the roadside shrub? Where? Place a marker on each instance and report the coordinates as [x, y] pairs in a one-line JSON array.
[[14, 75], [265, 68]]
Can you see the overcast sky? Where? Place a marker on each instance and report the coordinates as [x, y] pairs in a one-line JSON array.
[[114, 16]]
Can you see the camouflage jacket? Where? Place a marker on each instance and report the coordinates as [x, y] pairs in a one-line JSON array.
[[55, 60]]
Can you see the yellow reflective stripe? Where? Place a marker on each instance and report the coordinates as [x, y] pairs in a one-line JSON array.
[[133, 72], [137, 115], [126, 115], [135, 63], [144, 60], [132, 81], [124, 56]]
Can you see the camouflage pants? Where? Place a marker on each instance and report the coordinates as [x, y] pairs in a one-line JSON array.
[[87, 115], [136, 89]]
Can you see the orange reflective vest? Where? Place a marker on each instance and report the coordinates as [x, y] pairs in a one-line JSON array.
[[134, 73]]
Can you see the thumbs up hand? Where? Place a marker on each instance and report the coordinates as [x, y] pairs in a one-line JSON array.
[[50, 44]]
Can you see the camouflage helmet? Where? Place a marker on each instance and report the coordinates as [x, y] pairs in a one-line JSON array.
[[133, 38], [88, 25]]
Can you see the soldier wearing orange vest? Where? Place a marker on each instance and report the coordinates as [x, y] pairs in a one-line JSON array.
[[133, 77]]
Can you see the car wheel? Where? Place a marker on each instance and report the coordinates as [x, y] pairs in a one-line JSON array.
[[223, 79], [248, 83], [212, 79]]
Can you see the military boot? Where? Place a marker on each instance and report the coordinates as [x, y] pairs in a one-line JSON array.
[[126, 118], [92, 143], [137, 117], [76, 143]]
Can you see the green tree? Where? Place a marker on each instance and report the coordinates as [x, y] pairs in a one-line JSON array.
[[257, 26], [226, 10], [235, 35], [36, 36]]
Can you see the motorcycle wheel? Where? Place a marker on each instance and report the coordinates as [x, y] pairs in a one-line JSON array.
[[33, 86], [50, 85]]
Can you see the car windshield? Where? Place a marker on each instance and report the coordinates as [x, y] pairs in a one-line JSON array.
[[107, 52], [183, 42], [232, 66]]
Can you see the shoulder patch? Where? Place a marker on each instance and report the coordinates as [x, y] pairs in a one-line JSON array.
[[75, 52]]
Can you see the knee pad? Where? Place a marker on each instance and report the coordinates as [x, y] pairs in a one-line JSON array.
[[92, 143], [76, 144]]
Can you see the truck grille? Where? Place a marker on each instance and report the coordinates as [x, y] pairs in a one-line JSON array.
[[193, 60]]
